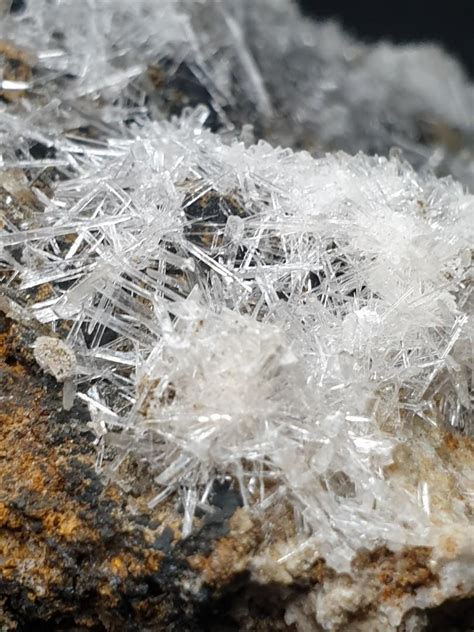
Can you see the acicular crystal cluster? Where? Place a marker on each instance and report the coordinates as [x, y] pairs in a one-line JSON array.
[[299, 83], [235, 309], [257, 313]]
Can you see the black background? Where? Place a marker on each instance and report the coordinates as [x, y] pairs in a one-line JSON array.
[[448, 23]]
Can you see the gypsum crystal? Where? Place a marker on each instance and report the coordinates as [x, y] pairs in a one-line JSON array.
[[256, 313], [300, 83]]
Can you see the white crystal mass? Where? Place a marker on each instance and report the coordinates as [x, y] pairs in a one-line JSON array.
[[302, 84], [247, 311], [284, 339]]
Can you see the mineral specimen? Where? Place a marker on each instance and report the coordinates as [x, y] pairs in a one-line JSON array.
[[269, 351]]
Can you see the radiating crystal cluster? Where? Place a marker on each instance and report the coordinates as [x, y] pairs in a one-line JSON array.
[[301, 84], [231, 309], [256, 313]]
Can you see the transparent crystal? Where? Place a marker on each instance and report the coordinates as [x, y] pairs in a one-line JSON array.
[[250, 312]]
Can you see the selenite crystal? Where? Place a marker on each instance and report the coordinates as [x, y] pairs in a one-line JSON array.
[[256, 313], [235, 310], [300, 83]]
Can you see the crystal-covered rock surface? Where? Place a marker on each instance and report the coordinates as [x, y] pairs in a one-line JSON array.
[[299, 83], [296, 323]]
